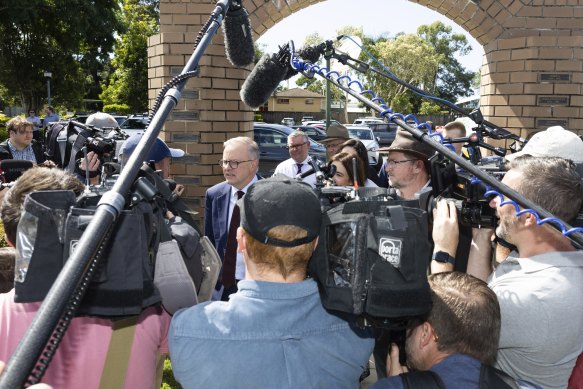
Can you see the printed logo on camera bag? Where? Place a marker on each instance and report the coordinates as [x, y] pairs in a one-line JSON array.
[[390, 250]]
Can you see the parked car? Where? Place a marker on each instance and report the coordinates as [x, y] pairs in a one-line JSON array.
[[367, 120], [366, 136], [314, 133], [320, 123], [272, 141], [307, 119], [384, 132], [288, 122], [82, 118], [135, 124]]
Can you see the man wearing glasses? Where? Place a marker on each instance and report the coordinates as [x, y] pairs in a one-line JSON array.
[[35, 120], [298, 145], [20, 144], [407, 165], [335, 136], [221, 215]]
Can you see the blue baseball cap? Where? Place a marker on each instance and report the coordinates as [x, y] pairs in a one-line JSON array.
[[158, 152]]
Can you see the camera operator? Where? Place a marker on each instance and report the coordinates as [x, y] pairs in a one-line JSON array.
[[273, 332], [160, 154], [80, 360], [453, 344], [540, 290]]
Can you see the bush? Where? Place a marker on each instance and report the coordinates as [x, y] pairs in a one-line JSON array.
[[122, 109]]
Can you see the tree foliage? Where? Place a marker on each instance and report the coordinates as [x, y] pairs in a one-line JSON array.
[[452, 80], [128, 83], [413, 60], [71, 39]]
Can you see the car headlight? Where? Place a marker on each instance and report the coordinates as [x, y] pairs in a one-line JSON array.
[[374, 148]]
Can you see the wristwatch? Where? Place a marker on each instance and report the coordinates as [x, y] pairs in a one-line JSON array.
[[443, 257]]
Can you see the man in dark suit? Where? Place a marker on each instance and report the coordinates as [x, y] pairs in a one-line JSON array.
[[221, 216]]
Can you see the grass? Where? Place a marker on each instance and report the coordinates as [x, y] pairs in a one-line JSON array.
[[168, 381]]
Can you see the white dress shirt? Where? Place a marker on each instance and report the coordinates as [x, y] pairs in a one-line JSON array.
[[289, 167]]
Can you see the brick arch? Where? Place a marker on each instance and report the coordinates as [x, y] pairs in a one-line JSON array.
[[532, 72]]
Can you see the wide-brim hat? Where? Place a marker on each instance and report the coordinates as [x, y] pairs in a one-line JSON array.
[[404, 142], [336, 131], [553, 142]]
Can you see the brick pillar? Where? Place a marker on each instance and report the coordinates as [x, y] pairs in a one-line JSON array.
[[210, 110]]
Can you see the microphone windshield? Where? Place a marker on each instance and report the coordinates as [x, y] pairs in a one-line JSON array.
[[239, 46], [262, 81]]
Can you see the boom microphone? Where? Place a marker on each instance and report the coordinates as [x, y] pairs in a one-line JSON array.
[[273, 69], [264, 79], [239, 47]]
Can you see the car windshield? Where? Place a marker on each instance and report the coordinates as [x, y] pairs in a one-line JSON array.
[[364, 134], [135, 124]]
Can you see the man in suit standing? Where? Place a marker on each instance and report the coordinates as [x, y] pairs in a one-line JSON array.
[[221, 216]]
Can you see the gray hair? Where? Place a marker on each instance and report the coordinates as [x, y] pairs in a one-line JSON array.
[[552, 183], [297, 134], [252, 147]]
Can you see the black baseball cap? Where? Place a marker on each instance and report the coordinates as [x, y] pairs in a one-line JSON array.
[[278, 201]]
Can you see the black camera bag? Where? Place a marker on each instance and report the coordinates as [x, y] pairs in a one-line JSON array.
[[123, 283], [372, 260]]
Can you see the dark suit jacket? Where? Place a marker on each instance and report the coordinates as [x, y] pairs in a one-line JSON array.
[[216, 213]]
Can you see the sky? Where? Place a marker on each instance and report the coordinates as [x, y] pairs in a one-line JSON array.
[[377, 17]]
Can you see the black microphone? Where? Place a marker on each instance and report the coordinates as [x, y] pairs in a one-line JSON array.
[[265, 77], [239, 47], [11, 169]]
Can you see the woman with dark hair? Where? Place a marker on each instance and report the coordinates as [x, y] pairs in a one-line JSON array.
[[344, 170], [354, 146]]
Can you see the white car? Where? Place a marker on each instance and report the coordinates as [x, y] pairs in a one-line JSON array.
[[366, 136]]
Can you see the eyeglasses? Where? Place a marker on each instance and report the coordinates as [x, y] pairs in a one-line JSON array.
[[22, 132], [392, 163], [232, 164], [295, 147], [333, 145]]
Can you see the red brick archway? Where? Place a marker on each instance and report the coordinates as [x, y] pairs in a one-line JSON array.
[[532, 72]]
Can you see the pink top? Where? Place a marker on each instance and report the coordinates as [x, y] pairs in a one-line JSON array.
[[79, 360]]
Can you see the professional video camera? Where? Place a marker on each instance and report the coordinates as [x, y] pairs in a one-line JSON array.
[[466, 191], [73, 139], [372, 258]]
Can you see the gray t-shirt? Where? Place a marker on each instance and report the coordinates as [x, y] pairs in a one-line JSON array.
[[541, 301]]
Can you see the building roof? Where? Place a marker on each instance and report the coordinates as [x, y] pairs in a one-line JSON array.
[[297, 92]]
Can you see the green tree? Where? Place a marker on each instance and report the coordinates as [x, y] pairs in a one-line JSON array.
[[69, 38], [452, 80], [411, 59], [128, 83]]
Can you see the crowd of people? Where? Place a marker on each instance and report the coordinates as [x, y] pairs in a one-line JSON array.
[[510, 317]]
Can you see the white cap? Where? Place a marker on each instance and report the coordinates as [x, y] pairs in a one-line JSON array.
[[553, 142], [101, 120]]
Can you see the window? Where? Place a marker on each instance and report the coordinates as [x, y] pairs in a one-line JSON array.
[[309, 101], [282, 101]]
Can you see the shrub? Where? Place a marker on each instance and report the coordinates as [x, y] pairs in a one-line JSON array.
[[123, 109]]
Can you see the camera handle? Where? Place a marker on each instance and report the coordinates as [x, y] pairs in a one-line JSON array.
[[109, 207]]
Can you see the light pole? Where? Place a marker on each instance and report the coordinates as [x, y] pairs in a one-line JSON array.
[[48, 75]]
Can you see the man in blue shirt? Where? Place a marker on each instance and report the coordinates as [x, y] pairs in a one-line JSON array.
[[50, 117], [273, 332], [459, 335]]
